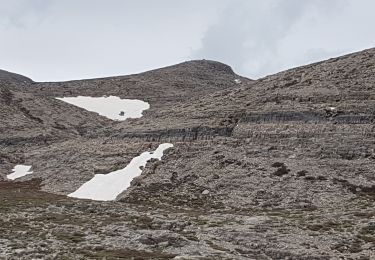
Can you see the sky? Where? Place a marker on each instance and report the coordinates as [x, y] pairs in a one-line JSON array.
[[54, 40]]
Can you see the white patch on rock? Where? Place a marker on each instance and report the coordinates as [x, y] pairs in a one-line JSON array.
[[19, 171], [106, 187], [205, 192], [111, 107], [238, 81]]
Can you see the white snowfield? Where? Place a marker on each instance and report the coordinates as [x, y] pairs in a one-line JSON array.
[[106, 187], [111, 107], [19, 171]]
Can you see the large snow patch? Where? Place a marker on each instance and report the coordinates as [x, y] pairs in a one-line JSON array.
[[19, 171], [111, 107], [107, 187]]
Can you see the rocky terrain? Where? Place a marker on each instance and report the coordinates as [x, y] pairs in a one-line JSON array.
[[276, 168]]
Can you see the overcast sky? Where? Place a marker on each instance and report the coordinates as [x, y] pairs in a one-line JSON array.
[[52, 40]]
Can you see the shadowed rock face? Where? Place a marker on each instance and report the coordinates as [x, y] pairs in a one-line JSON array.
[[281, 167]]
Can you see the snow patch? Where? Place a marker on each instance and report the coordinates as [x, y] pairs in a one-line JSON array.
[[111, 107], [106, 187], [19, 171], [238, 81]]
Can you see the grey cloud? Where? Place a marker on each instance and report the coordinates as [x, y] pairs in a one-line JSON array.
[[249, 33], [62, 40], [23, 13], [72, 39]]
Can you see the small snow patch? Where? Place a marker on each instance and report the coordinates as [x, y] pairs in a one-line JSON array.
[[238, 81], [106, 187], [111, 107], [19, 171]]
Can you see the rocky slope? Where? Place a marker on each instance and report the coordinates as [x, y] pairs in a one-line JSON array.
[[12, 78], [278, 168]]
